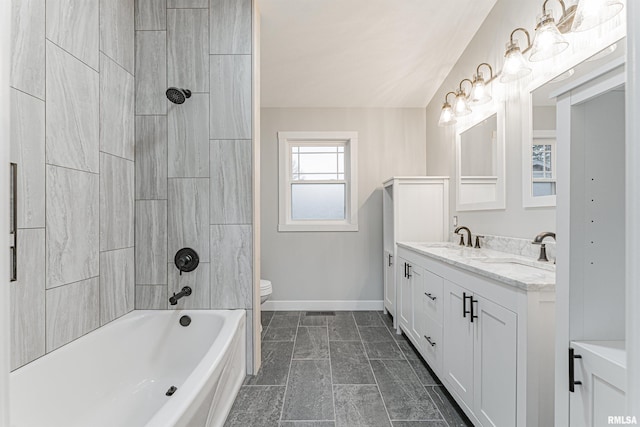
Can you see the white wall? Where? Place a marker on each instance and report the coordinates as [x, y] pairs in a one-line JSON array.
[[337, 266], [488, 46]]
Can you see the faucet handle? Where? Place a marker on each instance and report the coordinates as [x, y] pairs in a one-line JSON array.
[[478, 237]]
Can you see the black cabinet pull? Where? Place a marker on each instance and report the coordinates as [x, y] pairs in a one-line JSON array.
[[433, 344], [390, 256], [431, 297], [405, 270], [464, 304], [473, 315], [572, 381], [409, 275]]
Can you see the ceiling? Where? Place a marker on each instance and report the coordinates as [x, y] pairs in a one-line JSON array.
[[362, 53]]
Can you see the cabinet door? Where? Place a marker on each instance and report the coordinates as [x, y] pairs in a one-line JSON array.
[[458, 343], [403, 295], [597, 398], [389, 282], [494, 369], [416, 322]]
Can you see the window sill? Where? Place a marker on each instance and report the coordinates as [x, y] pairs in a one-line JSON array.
[[316, 227]]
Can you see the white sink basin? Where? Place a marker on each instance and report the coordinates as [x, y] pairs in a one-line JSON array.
[[519, 261]]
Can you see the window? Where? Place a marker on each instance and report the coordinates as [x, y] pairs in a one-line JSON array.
[[543, 166], [318, 188]]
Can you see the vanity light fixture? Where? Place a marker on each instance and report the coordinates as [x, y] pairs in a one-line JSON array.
[[460, 105], [591, 13], [479, 94], [515, 66], [446, 115], [548, 40], [603, 53], [563, 76]]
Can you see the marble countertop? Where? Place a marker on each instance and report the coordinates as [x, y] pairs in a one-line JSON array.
[[514, 270]]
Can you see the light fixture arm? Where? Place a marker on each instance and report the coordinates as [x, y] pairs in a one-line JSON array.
[[462, 90], [544, 7], [526, 33], [491, 76], [446, 97]]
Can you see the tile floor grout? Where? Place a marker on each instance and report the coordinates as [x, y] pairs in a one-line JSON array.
[[377, 352]]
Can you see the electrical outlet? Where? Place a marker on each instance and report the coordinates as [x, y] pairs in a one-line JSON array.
[[455, 220]]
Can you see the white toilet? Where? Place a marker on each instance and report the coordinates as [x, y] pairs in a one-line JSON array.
[[265, 290]]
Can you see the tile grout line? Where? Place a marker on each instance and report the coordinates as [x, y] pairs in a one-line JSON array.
[[415, 373], [286, 384], [372, 371], [333, 395]]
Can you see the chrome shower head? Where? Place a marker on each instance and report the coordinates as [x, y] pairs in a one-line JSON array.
[[178, 96]]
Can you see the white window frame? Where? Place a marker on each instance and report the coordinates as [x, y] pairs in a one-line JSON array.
[[544, 137], [350, 141]]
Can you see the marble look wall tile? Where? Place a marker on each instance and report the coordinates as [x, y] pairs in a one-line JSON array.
[[72, 225], [189, 138], [231, 272], [117, 284], [194, 4], [27, 41], [188, 49], [27, 150], [230, 95], [73, 118], [230, 27], [189, 216], [151, 242], [27, 299], [197, 280], [151, 72], [151, 157], [117, 104], [117, 31], [117, 208], [151, 14], [231, 182], [72, 311], [151, 297], [74, 26]]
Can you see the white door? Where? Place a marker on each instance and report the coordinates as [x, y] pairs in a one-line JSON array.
[[403, 295], [458, 342], [600, 395], [389, 283], [495, 357]]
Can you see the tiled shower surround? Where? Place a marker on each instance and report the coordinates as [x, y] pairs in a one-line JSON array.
[[72, 136], [113, 178], [194, 160]]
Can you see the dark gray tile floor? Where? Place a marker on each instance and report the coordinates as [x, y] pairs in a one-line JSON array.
[[346, 370]]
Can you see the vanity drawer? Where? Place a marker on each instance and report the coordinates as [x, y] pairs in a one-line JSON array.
[[431, 343], [432, 298]]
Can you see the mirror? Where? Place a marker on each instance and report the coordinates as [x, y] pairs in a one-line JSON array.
[[480, 161], [539, 172]]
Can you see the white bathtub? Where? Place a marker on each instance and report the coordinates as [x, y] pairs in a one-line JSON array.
[[117, 376]]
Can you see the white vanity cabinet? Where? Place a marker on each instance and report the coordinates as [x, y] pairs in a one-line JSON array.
[[414, 209], [490, 343]]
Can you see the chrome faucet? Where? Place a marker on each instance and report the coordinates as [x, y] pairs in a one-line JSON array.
[[185, 292], [462, 236], [538, 240]]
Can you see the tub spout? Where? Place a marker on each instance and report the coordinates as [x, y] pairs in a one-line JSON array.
[[185, 292]]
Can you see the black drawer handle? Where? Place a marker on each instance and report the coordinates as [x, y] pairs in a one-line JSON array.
[[390, 263], [433, 344], [572, 381], [473, 315], [431, 297], [409, 275]]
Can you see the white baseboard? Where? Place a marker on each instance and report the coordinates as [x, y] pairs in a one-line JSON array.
[[355, 305]]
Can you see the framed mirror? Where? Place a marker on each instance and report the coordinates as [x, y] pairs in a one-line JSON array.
[[480, 161], [539, 169]]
